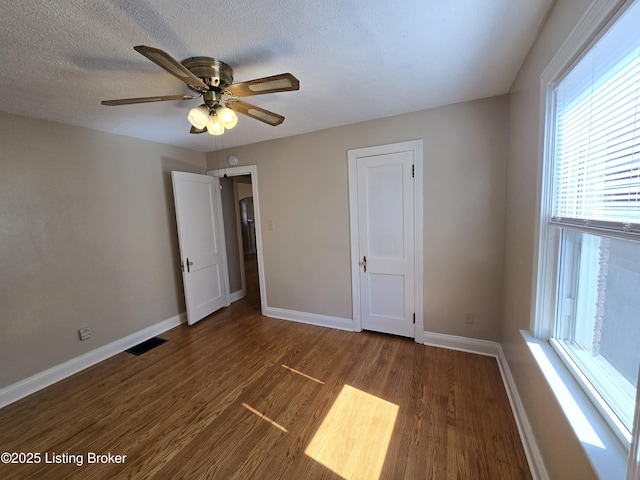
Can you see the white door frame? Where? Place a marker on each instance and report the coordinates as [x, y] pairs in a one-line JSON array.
[[253, 171], [414, 146]]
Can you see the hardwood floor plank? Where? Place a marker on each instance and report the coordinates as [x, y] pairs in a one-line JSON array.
[[241, 396]]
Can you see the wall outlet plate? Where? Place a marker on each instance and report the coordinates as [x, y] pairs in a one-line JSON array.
[[84, 333]]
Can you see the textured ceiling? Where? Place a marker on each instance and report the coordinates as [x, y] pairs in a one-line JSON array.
[[356, 59]]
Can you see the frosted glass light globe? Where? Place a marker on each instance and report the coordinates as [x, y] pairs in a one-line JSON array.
[[228, 116], [215, 125], [199, 116]]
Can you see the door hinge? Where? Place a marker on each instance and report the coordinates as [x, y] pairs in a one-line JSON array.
[[414, 318], [413, 171]]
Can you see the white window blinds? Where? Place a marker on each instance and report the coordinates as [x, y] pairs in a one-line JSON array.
[[597, 136]]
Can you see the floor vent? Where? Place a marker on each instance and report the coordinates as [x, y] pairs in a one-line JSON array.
[[146, 346]]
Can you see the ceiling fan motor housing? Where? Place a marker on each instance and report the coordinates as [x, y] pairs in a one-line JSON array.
[[213, 72]]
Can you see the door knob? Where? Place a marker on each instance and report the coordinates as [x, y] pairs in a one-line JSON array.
[[188, 265], [363, 263]]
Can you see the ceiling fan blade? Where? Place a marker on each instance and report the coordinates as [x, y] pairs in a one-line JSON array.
[[197, 130], [255, 112], [171, 65], [129, 101], [284, 82]]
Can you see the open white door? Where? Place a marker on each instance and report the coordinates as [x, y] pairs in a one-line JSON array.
[[201, 236]]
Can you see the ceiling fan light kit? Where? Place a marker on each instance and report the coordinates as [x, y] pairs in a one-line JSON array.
[[213, 119], [212, 80]]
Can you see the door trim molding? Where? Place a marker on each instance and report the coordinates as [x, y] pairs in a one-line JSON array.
[[253, 171], [415, 146]]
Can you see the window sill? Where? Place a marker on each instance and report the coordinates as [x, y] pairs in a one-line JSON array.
[[620, 390], [607, 455]]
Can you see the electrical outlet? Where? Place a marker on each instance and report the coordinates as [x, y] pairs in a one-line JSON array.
[[84, 333], [469, 319]]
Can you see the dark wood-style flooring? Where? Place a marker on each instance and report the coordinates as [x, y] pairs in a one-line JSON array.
[[242, 396]]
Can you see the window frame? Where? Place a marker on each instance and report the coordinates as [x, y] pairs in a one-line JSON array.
[[597, 20]]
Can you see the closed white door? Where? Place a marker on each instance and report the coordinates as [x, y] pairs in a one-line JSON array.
[[202, 249], [386, 257]]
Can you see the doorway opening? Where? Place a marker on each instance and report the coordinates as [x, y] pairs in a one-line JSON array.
[[241, 214]]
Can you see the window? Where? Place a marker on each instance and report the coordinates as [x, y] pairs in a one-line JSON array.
[[592, 218], [598, 320]]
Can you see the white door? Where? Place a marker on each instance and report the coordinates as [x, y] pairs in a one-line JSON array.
[[384, 243], [201, 237]]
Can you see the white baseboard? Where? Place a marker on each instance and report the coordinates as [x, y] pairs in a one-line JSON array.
[[463, 344], [237, 295], [309, 318], [494, 349], [59, 372], [531, 450]]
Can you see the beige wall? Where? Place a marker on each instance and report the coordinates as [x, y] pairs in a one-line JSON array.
[[561, 450], [303, 188], [87, 238]]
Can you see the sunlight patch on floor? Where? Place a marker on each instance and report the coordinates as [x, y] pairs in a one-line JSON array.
[[354, 437]]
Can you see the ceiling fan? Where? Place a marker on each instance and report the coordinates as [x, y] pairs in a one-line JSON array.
[[212, 80]]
